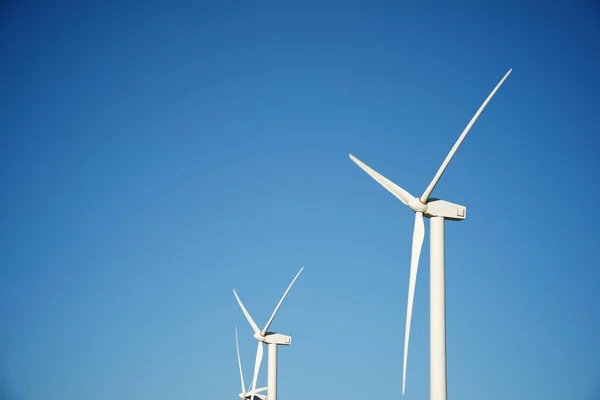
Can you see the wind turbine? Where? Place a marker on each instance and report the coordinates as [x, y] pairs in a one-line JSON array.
[[272, 339], [246, 394], [437, 211]]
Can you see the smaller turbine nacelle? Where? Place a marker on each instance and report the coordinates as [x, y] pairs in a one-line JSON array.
[[438, 208], [248, 396], [277, 338], [256, 397]]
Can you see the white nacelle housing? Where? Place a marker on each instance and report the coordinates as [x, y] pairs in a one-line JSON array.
[[278, 338], [441, 208]]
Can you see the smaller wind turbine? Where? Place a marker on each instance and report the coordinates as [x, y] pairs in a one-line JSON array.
[[272, 339], [246, 394]]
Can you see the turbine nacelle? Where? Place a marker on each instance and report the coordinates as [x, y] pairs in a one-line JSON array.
[[257, 396], [276, 338], [438, 208], [248, 396], [442, 208]]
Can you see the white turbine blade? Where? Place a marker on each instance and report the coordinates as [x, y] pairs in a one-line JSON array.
[[246, 392], [237, 346], [394, 189], [249, 392], [249, 387], [259, 355], [438, 175], [264, 331], [248, 317], [418, 236]]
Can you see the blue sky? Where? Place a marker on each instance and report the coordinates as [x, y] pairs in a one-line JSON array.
[[155, 156]]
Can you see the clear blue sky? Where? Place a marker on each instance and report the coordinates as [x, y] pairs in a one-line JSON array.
[[156, 155]]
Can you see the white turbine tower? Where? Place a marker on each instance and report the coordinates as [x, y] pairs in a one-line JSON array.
[[437, 211], [270, 338], [246, 394]]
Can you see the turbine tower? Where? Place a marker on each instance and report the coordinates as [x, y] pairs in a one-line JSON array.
[[272, 339], [437, 211], [246, 394]]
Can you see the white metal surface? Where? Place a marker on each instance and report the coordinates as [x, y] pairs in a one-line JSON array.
[[441, 208], [272, 372], [437, 316], [277, 338]]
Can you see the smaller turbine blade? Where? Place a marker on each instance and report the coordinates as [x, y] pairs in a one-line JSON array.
[[259, 355], [248, 317], [394, 189], [264, 331], [262, 389], [237, 346], [440, 172], [418, 236], [249, 387]]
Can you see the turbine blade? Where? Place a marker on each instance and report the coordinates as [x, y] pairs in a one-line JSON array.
[[237, 346], [248, 317], [259, 355], [249, 392], [394, 189], [418, 236], [264, 331], [438, 175]]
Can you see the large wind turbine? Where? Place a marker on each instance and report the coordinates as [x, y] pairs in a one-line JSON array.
[[246, 394], [437, 211], [270, 338]]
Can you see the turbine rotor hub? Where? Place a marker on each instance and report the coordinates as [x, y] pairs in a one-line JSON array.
[[417, 206], [259, 337]]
